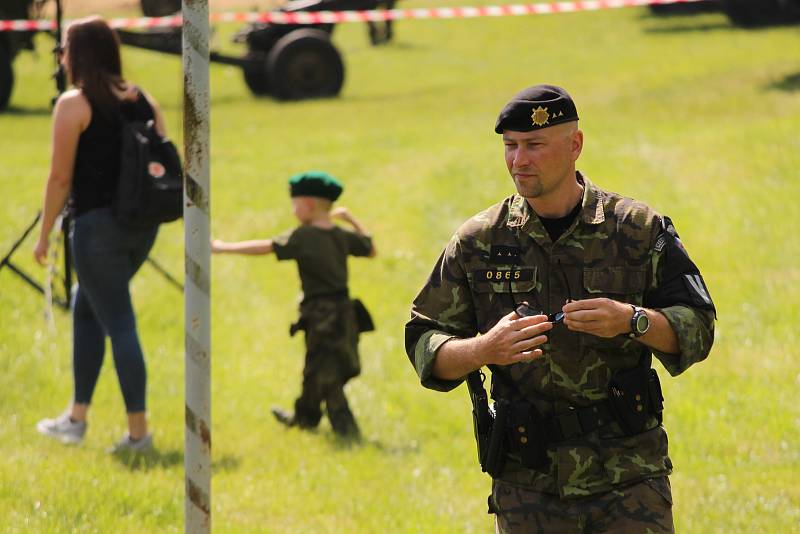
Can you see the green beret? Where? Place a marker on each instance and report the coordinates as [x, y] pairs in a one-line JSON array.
[[315, 184], [537, 107]]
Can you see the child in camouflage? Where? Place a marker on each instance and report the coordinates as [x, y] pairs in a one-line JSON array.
[[327, 314]]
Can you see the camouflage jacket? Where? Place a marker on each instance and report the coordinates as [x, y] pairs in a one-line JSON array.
[[616, 248]]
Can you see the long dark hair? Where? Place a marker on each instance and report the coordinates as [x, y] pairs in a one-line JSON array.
[[93, 62]]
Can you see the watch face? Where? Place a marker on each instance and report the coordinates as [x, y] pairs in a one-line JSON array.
[[642, 322]]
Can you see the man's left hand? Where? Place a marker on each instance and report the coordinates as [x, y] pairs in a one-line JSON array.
[[600, 317]]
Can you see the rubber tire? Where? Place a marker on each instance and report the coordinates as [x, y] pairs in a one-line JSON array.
[[6, 74], [305, 64], [160, 8], [753, 13], [255, 74]]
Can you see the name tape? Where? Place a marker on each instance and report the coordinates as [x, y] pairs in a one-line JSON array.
[[375, 15]]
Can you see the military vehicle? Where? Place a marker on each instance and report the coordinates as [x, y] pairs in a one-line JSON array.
[[286, 61], [751, 13], [747, 13], [11, 43], [683, 8]]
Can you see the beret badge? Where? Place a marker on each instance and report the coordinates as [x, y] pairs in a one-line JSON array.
[[540, 116]]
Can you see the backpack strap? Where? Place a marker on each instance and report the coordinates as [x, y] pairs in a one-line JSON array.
[[139, 109]]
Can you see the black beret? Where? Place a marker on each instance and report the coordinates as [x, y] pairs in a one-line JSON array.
[[315, 184], [537, 107]]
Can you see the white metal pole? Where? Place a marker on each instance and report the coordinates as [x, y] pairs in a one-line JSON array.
[[197, 294]]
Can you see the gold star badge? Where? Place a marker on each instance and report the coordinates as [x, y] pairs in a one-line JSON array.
[[540, 116]]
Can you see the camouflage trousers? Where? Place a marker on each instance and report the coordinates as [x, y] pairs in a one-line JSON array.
[[643, 507], [331, 360]]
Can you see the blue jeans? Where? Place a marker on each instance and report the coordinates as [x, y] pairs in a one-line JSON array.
[[106, 256]]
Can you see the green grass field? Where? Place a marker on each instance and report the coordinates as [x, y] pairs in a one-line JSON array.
[[689, 114]]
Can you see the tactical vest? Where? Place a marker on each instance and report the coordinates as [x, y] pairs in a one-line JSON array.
[[605, 253]]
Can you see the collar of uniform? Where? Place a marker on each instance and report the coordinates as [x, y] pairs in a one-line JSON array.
[[592, 210], [519, 212]]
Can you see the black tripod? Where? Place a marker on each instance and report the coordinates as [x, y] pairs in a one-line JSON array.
[[67, 274]]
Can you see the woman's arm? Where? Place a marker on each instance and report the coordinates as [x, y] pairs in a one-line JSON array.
[[71, 116]]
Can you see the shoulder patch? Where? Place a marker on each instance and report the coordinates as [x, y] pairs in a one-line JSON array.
[[660, 242], [666, 224], [697, 289], [669, 230]]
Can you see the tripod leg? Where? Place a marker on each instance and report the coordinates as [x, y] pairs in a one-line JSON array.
[[7, 259], [19, 272], [171, 279]]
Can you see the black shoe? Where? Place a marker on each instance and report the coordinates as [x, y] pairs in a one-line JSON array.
[[283, 416], [346, 430]]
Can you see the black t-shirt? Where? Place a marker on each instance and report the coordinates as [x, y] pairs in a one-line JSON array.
[[321, 256], [97, 158], [556, 227]]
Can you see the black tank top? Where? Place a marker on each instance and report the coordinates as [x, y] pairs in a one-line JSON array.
[[97, 159]]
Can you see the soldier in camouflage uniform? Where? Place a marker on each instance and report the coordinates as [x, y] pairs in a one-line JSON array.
[[611, 284], [327, 314]]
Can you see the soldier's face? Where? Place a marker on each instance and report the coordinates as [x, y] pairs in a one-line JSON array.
[[540, 161]]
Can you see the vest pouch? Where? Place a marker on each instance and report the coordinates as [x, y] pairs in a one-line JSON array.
[[623, 284], [495, 459], [629, 396], [528, 435], [363, 318]]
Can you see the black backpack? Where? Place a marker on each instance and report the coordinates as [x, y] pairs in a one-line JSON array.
[[150, 187]]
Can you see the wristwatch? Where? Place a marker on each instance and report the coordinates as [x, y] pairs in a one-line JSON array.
[[639, 322]]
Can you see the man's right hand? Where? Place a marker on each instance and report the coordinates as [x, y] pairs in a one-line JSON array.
[[514, 339]]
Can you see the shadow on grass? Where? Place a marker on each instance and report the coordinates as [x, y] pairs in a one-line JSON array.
[[395, 449], [789, 83], [166, 459], [689, 28], [23, 112]]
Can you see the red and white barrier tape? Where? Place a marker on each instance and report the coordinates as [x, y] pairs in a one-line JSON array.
[[333, 17]]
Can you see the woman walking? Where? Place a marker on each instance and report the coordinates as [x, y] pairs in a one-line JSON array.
[[87, 124]]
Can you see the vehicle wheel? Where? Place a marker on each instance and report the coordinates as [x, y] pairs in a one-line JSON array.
[[6, 74], [305, 64], [750, 13], [255, 74], [160, 8]]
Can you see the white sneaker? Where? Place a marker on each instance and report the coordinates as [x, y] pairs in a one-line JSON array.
[[63, 429], [126, 444]]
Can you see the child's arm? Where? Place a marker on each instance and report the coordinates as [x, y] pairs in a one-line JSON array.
[[254, 247], [344, 214]]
